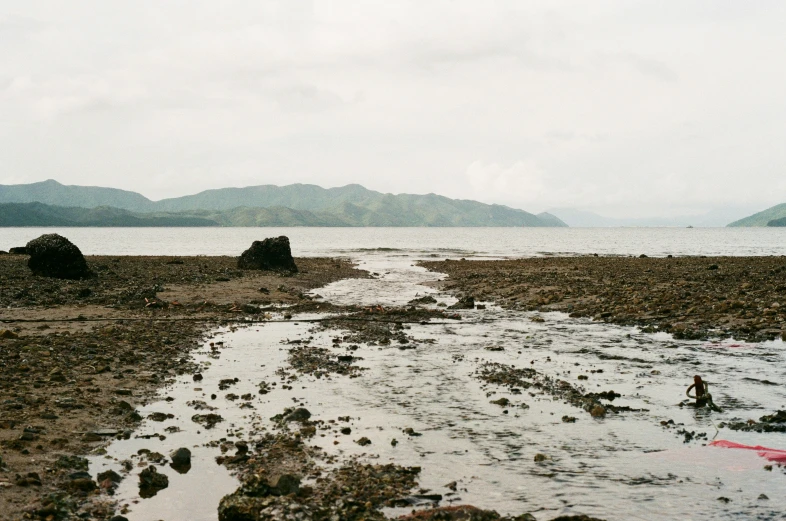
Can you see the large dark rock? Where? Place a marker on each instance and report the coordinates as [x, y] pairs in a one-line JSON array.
[[55, 256], [271, 254]]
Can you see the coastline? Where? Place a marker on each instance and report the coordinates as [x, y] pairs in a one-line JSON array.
[[77, 357], [83, 361], [689, 297]]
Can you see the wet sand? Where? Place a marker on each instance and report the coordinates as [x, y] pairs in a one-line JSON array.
[[689, 297], [78, 357]]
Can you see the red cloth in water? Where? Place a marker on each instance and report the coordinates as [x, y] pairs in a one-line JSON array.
[[776, 455]]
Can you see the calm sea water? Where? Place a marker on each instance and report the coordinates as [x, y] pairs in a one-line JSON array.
[[419, 242]]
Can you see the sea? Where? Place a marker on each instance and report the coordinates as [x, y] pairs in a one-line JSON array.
[[429, 242], [653, 462]]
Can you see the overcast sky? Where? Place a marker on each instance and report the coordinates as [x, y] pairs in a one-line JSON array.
[[629, 108]]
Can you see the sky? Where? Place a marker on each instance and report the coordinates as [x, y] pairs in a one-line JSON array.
[[628, 108]]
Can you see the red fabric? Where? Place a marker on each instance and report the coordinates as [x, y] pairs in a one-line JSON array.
[[776, 455]]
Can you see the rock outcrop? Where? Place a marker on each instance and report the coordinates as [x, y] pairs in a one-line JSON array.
[[272, 254], [53, 255]]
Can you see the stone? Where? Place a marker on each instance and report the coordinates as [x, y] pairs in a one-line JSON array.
[[181, 459], [53, 255], [110, 475], [18, 250], [598, 411], [80, 484], [8, 334], [467, 302], [286, 484], [56, 375], [91, 437], [207, 420], [151, 481], [31, 479], [298, 415], [270, 254]]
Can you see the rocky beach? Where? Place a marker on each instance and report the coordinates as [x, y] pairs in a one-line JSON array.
[[112, 379], [78, 356], [689, 297]]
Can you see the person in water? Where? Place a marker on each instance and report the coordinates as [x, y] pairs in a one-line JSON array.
[[703, 397], [701, 391]]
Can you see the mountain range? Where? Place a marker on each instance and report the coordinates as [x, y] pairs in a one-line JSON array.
[[50, 203], [774, 216]]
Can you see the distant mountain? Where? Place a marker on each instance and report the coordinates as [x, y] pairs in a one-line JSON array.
[[53, 193], [39, 214], [762, 218], [358, 206], [291, 205], [715, 218], [553, 219]]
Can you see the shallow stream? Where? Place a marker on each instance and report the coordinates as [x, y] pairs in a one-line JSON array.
[[623, 466]]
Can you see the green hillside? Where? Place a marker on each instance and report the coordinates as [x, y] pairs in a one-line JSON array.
[[762, 218], [777, 223], [53, 193], [39, 214], [265, 205]]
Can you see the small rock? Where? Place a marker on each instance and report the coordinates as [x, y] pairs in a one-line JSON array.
[[181, 459], [286, 484], [363, 441], [90, 437], [598, 411], [110, 475], [7, 333], [151, 481], [81, 484], [467, 302], [298, 415], [31, 479]]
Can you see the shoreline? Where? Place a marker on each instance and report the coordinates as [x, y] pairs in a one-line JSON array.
[[77, 357], [688, 297], [82, 361]]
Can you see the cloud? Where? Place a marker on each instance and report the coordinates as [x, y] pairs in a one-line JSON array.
[[631, 107], [523, 181]]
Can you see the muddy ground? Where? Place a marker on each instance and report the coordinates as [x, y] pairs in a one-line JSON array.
[[77, 357], [690, 297]]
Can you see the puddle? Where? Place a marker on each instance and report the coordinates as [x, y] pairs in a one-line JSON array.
[[623, 466]]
